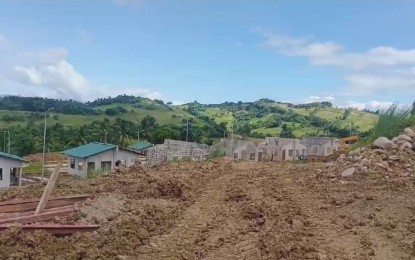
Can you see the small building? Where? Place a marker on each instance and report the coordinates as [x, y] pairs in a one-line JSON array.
[[141, 147], [10, 170], [97, 157], [321, 146], [280, 149]]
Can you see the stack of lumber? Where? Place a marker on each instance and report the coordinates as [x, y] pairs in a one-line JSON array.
[[28, 213]]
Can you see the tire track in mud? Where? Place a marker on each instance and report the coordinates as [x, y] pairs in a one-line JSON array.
[[272, 230], [336, 213], [180, 242]]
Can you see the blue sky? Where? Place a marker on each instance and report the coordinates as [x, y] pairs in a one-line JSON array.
[[352, 53]]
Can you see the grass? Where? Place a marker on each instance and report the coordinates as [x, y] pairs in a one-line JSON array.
[[95, 173], [391, 123], [275, 131], [162, 115], [34, 169]]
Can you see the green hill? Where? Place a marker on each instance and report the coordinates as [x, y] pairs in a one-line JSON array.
[[118, 120]]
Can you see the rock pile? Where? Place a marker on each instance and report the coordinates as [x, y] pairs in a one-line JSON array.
[[386, 158]]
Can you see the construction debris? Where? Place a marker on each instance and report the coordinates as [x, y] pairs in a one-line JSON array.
[[385, 158], [31, 204], [48, 190], [33, 211], [56, 229]]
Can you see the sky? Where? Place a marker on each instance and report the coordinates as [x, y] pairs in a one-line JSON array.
[[351, 53]]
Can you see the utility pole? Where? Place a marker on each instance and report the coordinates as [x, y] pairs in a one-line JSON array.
[[233, 126], [4, 141], [187, 130], [106, 134], [44, 144], [138, 135]]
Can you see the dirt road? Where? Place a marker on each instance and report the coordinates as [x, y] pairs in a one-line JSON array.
[[228, 210]]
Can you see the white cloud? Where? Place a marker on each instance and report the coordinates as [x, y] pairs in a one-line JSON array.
[[320, 98], [370, 105], [177, 103], [48, 73], [378, 70], [331, 53], [134, 91], [370, 83]]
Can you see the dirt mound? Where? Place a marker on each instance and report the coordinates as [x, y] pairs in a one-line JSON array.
[[226, 210], [102, 209]]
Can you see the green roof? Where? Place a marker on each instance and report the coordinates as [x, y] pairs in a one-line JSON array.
[[140, 146], [89, 150], [12, 156]]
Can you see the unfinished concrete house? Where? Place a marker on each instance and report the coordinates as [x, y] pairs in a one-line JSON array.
[[10, 170], [321, 146], [237, 149], [280, 149], [177, 150]]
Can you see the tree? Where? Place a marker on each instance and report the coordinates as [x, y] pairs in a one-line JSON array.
[[124, 129], [286, 132], [347, 113], [165, 132], [413, 108], [148, 125]]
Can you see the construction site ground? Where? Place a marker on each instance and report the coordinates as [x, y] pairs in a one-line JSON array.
[[227, 210]]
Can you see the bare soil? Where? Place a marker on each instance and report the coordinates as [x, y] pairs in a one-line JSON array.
[[228, 210]]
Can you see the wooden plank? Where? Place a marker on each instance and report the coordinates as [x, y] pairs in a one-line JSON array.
[[38, 218], [48, 190], [56, 229], [32, 205], [31, 213], [14, 202]]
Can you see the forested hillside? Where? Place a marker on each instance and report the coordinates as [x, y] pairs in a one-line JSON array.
[[119, 120]]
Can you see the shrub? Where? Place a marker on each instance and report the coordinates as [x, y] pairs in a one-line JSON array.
[[216, 153], [391, 122]]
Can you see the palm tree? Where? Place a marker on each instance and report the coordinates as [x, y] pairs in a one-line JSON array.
[[123, 127], [148, 125]]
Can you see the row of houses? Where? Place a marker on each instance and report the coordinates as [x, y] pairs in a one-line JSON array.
[[99, 156], [96, 157], [278, 149], [105, 157]]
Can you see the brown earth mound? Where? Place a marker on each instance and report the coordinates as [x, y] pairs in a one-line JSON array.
[[226, 210]]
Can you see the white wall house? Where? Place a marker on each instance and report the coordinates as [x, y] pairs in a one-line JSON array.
[[10, 169], [321, 146], [280, 149], [97, 157]]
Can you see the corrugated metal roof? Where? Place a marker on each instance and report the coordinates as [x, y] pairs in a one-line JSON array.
[[12, 156], [140, 146], [89, 150]]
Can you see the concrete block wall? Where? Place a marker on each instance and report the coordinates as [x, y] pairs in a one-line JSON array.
[[173, 149]]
